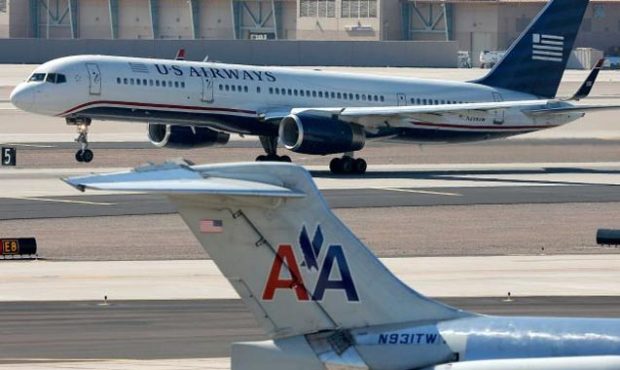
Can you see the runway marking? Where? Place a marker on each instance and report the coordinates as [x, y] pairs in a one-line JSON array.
[[31, 145], [428, 192], [65, 201]]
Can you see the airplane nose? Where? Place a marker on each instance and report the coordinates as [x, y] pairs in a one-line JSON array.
[[22, 97]]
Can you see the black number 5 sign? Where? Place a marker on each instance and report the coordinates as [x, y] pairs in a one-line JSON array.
[[9, 156]]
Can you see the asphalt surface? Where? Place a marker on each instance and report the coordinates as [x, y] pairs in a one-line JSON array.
[[145, 204], [194, 329], [132, 153]]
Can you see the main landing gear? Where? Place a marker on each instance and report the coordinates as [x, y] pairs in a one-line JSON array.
[[82, 124], [347, 165], [270, 145]]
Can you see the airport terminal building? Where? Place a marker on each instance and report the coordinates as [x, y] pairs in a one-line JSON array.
[[475, 25]]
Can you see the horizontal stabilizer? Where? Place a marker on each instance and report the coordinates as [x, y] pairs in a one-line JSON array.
[[173, 178]]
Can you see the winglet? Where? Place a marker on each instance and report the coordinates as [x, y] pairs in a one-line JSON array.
[[180, 55], [586, 87]]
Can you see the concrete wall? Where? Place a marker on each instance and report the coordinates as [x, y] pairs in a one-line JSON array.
[[175, 20], [311, 53], [391, 18], [94, 20], [216, 20], [494, 26], [134, 20], [476, 28]]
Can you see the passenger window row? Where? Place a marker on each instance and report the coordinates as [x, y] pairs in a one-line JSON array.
[[150, 82], [326, 94], [421, 101], [236, 88]]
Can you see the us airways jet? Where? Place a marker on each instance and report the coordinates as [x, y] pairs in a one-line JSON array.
[[326, 301], [193, 104]]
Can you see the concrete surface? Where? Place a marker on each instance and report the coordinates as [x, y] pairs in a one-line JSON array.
[[500, 229], [543, 275]]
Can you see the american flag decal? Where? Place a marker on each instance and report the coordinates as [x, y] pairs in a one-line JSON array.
[[139, 68], [549, 48], [211, 226]]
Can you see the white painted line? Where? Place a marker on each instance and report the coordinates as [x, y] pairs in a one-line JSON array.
[[65, 201], [30, 145], [103, 364], [418, 191]]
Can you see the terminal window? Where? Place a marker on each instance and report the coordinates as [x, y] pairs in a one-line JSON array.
[[317, 8], [3, 6], [359, 9]]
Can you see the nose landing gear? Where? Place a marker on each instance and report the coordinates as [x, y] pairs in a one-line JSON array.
[[82, 124]]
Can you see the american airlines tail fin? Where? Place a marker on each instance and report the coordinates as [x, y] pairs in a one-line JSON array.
[[294, 263], [535, 63]]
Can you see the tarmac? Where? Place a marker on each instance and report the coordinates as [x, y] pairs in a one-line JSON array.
[[466, 223], [464, 276], [194, 329]]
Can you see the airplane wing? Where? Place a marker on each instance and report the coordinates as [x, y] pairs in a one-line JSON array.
[[410, 110], [535, 107], [573, 108]]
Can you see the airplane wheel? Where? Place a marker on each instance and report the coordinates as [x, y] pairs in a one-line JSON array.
[[78, 156], [285, 158], [87, 155], [335, 166], [360, 166], [347, 164]]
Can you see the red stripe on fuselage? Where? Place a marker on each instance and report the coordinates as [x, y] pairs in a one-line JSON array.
[[154, 105]]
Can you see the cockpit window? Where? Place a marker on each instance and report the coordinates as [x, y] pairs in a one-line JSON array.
[[37, 77], [56, 78]]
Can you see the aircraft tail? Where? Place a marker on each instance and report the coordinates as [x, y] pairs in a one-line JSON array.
[[297, 267], [535, 63]]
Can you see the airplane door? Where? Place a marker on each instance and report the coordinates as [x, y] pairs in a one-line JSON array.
[[499, 113], [94, 78], [401, 99], [207, 90]]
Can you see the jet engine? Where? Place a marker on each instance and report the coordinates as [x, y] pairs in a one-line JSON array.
[[314, 134], [184, 137]]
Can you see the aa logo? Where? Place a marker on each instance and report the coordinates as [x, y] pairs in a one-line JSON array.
[[327, 265]]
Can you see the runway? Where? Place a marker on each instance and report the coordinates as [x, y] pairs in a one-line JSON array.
[[146, 204], [195, 328], [516, 215]]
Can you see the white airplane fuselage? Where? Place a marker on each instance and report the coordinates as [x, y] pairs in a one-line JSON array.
[[246, 99]]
